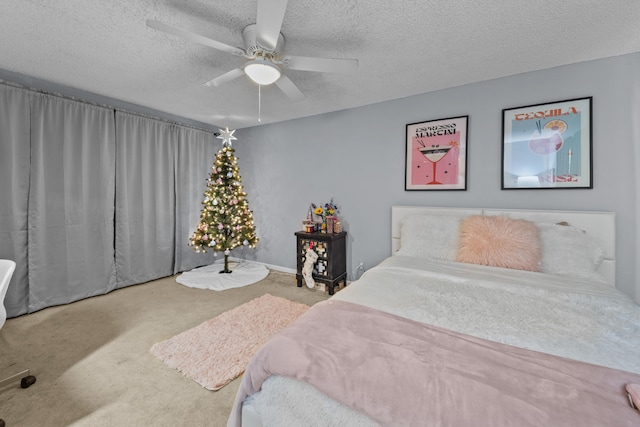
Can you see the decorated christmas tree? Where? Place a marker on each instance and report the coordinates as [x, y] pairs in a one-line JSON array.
[[226, 221]]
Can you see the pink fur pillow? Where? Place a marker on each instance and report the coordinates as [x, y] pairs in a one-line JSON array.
[[500, 241]]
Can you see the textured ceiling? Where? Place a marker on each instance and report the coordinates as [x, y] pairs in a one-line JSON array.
[[405, 47]]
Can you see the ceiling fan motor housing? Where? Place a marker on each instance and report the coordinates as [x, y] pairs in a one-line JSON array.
[[255, 50]]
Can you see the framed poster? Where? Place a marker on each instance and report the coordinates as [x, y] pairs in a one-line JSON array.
[[436, 155], [547, 145]]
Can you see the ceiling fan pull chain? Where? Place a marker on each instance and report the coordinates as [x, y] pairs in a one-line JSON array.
[[259, 104]]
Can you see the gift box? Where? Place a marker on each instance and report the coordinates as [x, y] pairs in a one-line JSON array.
[[330, 224]]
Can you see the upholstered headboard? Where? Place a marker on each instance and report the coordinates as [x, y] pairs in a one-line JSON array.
[[599, 225]]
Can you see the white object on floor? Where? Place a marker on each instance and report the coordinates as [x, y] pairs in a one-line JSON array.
[[209, 276], [307, 270]]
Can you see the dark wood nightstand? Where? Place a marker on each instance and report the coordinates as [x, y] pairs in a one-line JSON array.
[[331, 266]]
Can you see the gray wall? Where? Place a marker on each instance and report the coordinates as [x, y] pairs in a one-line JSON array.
[[356, 156]]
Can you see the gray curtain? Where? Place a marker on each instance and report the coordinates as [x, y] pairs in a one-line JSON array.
[[14, 193], [196, 153], [92, 199], [71, 193], [145, 199]]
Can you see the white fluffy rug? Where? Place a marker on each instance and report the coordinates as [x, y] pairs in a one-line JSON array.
[[209, 277]]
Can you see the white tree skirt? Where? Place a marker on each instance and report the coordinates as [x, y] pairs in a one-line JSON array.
[[209, 276]]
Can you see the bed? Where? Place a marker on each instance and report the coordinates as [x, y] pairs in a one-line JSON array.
[[479, 316]]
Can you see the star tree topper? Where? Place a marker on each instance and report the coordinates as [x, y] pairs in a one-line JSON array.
[[226, 136]]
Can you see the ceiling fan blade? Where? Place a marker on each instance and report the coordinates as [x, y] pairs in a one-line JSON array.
[[323, 65], [289, 89], [269, 22], [225, 78], [197, 38]]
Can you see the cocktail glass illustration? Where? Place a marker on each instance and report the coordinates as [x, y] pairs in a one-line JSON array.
[[548, 139], [434, 154]]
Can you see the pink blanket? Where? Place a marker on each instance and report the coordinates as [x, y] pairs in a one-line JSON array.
[[402, 372]]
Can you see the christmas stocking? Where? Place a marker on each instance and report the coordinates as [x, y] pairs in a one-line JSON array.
[[307, 269]]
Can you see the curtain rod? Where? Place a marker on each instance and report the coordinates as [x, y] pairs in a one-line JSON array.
[[97, 104]]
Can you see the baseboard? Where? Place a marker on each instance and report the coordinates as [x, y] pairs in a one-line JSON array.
[[269, 266]]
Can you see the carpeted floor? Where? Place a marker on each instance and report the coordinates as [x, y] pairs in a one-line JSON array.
[[92, 360]]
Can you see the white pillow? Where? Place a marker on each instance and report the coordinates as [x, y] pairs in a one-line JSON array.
[[430, 236], [569, 251]]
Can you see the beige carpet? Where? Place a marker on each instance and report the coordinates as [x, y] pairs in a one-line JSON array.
[[217, 351], [92, 360]]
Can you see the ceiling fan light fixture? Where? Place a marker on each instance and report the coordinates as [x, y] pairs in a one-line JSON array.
[[262, 72]]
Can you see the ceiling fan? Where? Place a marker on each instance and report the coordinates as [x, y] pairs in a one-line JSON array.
[[263, 47]]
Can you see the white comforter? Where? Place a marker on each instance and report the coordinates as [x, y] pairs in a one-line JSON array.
[[586, 321]]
